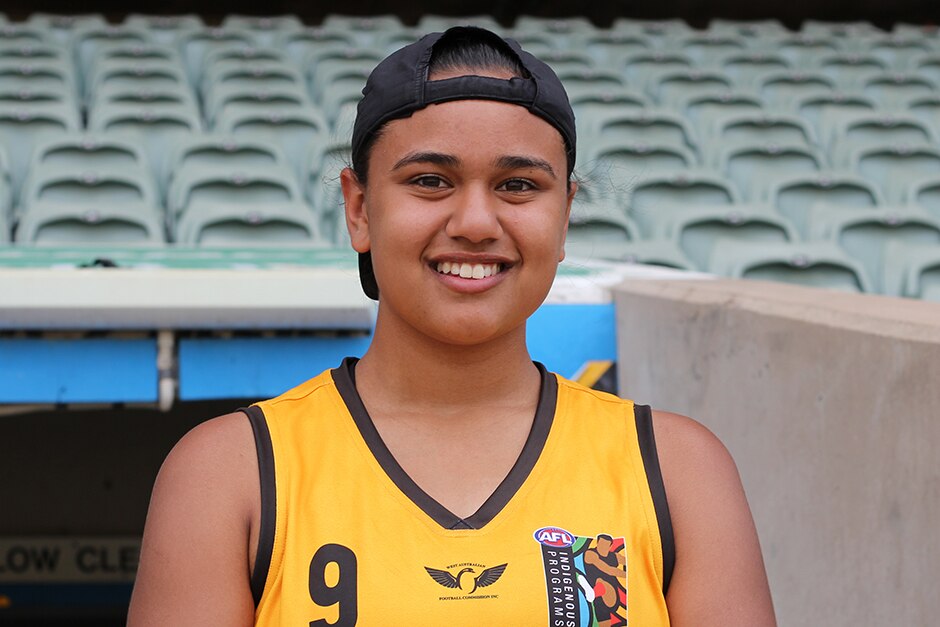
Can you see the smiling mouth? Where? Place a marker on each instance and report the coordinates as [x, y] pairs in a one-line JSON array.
[[470, 270]]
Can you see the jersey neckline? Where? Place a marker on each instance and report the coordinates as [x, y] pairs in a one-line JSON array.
[[345, 379]]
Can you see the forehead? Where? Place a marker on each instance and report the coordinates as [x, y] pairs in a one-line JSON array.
[[476, 128]]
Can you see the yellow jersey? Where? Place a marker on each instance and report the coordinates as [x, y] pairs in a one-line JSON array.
[[577, 534]]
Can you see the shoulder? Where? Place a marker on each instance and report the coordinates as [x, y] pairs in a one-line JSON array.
[[697, 469], [199, 528], [719, 576]]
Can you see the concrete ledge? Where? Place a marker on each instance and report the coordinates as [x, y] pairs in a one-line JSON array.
[[830, 404]]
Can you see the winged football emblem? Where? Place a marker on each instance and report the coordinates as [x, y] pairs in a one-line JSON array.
[[467, 580]]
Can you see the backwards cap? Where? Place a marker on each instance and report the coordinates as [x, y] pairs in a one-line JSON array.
[[399, 86]]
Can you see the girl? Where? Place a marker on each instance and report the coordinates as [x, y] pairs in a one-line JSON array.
[[445, 478]]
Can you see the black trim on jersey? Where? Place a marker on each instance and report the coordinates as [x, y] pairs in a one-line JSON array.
[[265, 449], [654, 475], [345, 379]]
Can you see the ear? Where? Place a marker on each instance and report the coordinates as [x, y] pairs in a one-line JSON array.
[[569, 199], [357, 218]]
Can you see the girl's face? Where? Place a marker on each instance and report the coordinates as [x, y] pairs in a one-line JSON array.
[[465, 214]]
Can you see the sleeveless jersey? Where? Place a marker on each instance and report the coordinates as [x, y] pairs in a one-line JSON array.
[[577, 534]]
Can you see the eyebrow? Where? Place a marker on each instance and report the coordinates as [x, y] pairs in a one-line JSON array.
[[437, 158], [519, 162]]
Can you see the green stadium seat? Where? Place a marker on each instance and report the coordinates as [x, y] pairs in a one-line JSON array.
[[79, 153], [654, 194], [865, 234], [803, 49], [395, 40], [266, 29], [766, 127], [294, 131], [21, 127], [599, 227], [705, 111], [876, 129], [611, 49], [673, 89], [912, 271], [6, 186], [570, 61], [267, 225], [124, 186], [925, 193], [225, 152], [158, 130], [89, 42], [622, 160], [894, 90], [557, 27], [895, 167], [147, 76], [254, 188], [706, 50], [439, 23], [5, 234], [649, 126], [793, 197], [745, 68], [25, 34], [325, 162], [754, 168], [784, 89], [169, 99], [814, 264], [298, 45], [928, 65], [898, 52], [749, 29], [643, 68], [366, 29], [663, 33], [28, 52], [343, 124], [927, 108], [697, 229], [61, 28], [37, 75], [648, 252], [61, 223], [337, 98], [826, 109], [165, 29], [247, 55], [195, 46], [844, 32], [582, 79], [330, 73], [591, 103], [850, 71], [254, 76], [276, 101]]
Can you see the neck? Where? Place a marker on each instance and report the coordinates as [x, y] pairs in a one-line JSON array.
[[408, 369]]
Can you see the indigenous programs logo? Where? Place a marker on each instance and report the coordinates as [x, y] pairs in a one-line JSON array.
[[467, 579], [585, 577]]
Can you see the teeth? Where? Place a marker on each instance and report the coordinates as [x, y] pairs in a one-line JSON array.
[[469, 271]]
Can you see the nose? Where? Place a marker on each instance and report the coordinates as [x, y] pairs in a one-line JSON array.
[[474, 216]]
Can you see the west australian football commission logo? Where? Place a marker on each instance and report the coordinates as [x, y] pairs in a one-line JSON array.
[[467, 580]]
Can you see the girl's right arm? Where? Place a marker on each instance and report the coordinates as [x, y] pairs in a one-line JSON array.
[[200, 536]]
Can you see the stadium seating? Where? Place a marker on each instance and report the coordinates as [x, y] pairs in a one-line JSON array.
[[693, 144], [912, 271]]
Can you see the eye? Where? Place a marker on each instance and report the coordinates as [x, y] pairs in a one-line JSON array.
[[429, 181], [517, 185]]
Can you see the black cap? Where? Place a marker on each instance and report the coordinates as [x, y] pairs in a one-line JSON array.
[[399, 86]]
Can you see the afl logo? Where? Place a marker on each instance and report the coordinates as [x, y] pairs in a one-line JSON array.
[[555, 537]]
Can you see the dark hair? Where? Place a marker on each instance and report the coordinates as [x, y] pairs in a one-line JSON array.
[[459, 50]]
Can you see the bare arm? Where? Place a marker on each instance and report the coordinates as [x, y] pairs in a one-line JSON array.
[[200, 533], [719, 578]]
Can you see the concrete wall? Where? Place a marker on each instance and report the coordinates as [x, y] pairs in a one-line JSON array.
[[830, 404]]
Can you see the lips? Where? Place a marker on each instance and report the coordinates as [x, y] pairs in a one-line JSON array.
[[469, 270]]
